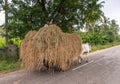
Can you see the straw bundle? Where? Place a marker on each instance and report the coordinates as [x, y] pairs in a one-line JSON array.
[[50, 47]]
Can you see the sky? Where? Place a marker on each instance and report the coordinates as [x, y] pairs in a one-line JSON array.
[[111, 9], [2, 18]]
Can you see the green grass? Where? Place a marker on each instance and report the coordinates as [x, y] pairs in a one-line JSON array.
[[108, 45], [8, 64]]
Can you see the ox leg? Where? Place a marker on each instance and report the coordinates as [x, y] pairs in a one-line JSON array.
[[80, 60], [87, 57]]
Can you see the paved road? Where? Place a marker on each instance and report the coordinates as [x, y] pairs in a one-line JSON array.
[[103, 68]]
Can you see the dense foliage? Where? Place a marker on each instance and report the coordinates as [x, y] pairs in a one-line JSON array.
[[102, 34], [25, 15]]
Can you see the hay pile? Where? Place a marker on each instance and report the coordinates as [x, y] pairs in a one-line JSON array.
[[49, 47]]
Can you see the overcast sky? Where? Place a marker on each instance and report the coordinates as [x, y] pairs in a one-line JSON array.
[[2, 17], [111, 9]]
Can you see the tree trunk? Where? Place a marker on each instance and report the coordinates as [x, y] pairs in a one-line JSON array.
[[6, 22]]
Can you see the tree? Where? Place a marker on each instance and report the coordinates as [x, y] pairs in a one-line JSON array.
[[93, 15], [105, 32], [109, 30], [25, 15]]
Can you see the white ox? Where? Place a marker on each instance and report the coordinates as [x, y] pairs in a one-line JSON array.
[[86, 48]]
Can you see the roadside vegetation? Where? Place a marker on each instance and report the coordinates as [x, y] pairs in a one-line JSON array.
[[102, 36], [108, 45], [2, 42], [8, 64], [16, 41]]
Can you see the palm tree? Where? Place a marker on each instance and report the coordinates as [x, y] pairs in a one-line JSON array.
[[93, 14]]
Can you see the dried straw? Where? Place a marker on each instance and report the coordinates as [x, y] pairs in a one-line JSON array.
[[50, 47]]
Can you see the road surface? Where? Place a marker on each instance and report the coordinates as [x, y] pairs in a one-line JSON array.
[[103, 68]]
